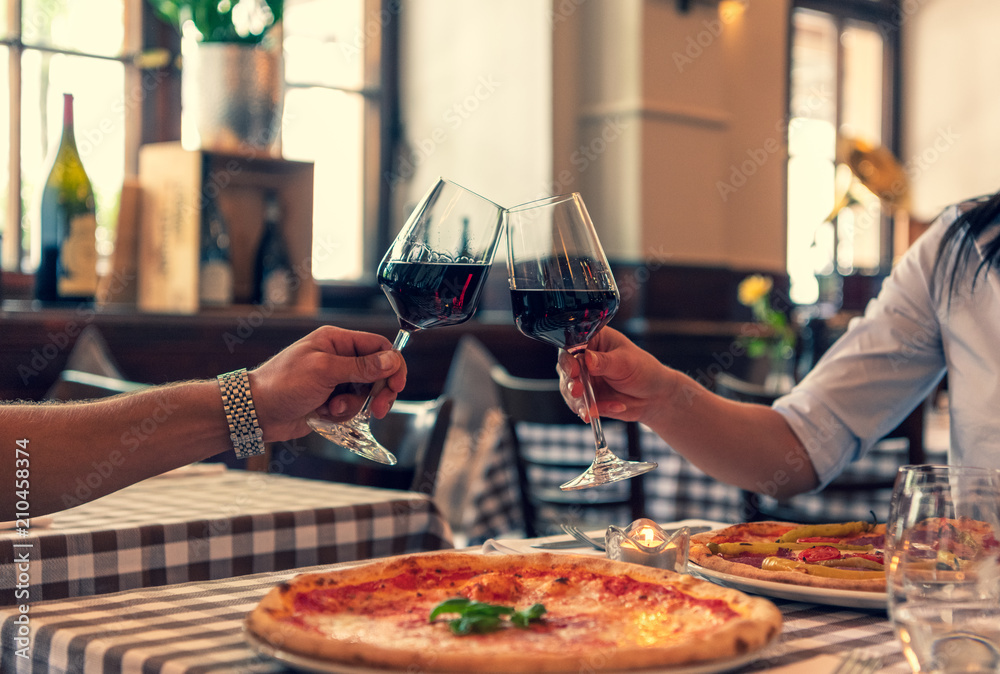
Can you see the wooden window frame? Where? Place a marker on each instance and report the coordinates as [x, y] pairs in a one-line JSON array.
[[887, 16]]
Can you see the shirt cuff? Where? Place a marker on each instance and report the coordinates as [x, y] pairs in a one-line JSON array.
[[830, 444]]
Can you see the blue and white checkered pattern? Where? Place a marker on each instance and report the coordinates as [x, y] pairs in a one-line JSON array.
[[196, 628], [200, 527], [675, 490]]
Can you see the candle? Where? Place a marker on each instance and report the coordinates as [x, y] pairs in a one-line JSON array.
[[644, 542]]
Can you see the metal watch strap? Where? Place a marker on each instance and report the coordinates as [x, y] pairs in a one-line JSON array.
[[248, 439]]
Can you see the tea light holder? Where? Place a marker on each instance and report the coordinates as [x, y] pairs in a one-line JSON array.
[[645, 542]]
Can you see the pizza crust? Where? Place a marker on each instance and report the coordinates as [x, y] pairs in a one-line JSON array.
[[404, 640]]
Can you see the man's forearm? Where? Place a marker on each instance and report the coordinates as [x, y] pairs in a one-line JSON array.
[[102, 446]]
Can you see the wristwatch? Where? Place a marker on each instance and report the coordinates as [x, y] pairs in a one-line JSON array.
[[244, 431]]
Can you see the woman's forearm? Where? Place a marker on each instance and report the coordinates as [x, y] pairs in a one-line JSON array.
[[80, 451], [750, 446]]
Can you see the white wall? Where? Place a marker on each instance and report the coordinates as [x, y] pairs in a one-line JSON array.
[[476, 91], [951, 145], [643, 110]]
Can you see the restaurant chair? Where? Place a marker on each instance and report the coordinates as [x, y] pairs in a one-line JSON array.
[[476, 487], [542, 467], [77, 385], [415, 431], [903, 445], [90, 371]]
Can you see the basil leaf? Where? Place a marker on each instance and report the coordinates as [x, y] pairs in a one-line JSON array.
[[480, 624], [454, 605], [523, 618], [482, 609], [481, 617]]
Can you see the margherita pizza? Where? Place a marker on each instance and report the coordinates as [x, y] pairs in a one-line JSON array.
[[845, 556], [460, 612]]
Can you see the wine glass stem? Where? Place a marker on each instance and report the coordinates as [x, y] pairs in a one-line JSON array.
[[402, 337], [603, 453]]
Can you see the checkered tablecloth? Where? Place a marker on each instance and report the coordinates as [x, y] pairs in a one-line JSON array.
[[675, 490], [200, 527], [196, 628]]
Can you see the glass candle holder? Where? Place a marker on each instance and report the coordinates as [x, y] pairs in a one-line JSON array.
[[645, 542]]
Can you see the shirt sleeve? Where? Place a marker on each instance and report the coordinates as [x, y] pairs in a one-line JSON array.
[[887, 362]]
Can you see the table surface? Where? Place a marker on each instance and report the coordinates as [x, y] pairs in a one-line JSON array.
[[197, 628], [211, 524]]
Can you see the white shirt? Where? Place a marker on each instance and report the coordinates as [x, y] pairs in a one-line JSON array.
[[890, 360]]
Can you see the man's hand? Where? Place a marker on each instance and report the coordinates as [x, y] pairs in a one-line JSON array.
[[325, 372]]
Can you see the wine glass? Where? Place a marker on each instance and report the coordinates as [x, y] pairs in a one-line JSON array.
[[432, 274], [944, 573], [562, 293]]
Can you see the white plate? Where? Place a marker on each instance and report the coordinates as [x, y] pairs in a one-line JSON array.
[[813, 595], [308, 664]]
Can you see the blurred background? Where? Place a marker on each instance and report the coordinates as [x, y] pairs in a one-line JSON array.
[[807, 142], [710, 139]]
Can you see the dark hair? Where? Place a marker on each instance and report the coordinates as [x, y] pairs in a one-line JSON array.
[[962, 234]]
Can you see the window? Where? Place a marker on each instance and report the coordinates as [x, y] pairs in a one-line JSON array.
[[842, 86], [62, 47], [334, 104], [335, 114]]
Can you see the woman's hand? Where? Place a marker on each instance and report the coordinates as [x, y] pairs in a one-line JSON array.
[[629, 383]]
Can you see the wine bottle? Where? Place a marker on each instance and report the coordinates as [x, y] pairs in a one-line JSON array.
[[273, 277], [215, 277], [67, 225]]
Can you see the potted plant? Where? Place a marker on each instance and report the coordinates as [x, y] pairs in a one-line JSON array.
[[232, 73]]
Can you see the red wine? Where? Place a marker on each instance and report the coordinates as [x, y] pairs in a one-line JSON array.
[[565, 318], [430, 294]]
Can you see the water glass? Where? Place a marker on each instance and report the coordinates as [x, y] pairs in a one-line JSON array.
[[921, 475], [944, 571]]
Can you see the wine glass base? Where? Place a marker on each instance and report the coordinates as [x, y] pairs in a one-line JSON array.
[[607, 472], [353, 435]]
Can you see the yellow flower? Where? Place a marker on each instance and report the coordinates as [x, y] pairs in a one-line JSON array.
[[754, 288]]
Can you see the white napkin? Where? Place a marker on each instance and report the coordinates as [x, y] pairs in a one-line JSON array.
[[496, 547]]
